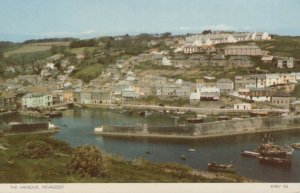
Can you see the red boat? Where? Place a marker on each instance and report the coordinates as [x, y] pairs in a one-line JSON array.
[[275, 161]]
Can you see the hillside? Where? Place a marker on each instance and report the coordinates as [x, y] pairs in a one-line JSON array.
[[287, 46], [91, 57], [14, 168]]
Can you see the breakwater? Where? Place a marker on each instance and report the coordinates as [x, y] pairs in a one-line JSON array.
[[180, 108], [205, 130]]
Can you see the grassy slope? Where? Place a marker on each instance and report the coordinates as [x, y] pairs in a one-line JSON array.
[[287, 46], [16, 169], [34, 47]]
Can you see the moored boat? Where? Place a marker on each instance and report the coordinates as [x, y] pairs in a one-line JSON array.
[[275, 161], [296, 145], [227, 168], [183, 157], [271, 150], [250, 153], [223, 118], [53, 114], [99, 129], [192, 150], [274, 153], [61, 108], [148, 113], [195, 120]]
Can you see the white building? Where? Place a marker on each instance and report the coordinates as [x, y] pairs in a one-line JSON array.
[[166, 62], [225, 85], [260, 36], [34, 100], [276, 79], [195, 96], [209, 93], [244, 50], [285, 63], [242, 106], [218, 38]]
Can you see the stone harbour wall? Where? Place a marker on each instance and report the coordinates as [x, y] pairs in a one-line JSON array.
[[202, 130]]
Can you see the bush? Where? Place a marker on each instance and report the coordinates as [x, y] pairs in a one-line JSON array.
[[36, 150], [83, 43], [89, 73], [88, 161]]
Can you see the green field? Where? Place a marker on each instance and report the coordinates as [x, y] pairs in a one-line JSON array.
[[34, 47]]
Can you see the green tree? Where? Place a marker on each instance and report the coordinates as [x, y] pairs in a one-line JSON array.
[[88, 161]]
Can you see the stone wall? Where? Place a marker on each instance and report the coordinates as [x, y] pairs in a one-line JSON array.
[[218, 128], [249, 125]]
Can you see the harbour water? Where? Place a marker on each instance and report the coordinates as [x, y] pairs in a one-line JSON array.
[[77, 127]]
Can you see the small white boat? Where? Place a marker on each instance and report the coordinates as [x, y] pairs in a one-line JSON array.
[[61, 108], [192, 150], [148, 113], [98, 129], [250, 153]]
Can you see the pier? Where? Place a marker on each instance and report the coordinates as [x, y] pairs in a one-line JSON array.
[[205, 130]]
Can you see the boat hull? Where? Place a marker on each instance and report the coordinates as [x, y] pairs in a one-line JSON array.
[[275, 161], [250, 154], [221, 168]]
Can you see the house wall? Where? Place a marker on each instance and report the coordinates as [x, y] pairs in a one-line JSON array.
[[32, 101], [245, 106], [68, 96], [243, 51], [8, 103]]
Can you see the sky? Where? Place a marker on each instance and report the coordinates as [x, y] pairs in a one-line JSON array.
[[36, 19]]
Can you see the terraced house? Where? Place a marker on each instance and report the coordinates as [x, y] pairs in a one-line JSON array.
[[34, 100], [8, 102]]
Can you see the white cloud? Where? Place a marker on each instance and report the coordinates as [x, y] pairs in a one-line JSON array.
[[219, 27], [88, 32]]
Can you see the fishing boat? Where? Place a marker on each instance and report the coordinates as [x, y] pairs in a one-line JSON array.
[[250, 153], [61, 108], [192, 150], [53, 114], [271, 150], [296, 145], [288, 149], [223, 118], [275, 161], [227, 168], [275, 153]]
